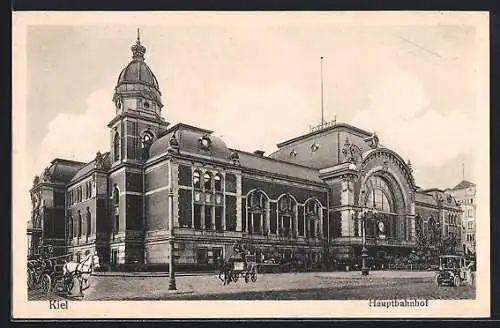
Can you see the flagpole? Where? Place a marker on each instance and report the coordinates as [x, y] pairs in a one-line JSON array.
[[322, 116]]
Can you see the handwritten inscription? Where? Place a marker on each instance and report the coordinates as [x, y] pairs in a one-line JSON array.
[[58, 305]]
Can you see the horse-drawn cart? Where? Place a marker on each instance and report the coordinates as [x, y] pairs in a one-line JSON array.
[[246, 267], [45, 273]]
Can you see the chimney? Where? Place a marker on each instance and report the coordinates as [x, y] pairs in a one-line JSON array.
[[259, 153]]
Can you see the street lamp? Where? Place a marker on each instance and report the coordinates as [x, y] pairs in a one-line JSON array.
[[363, 215]]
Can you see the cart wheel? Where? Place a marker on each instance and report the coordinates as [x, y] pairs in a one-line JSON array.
[[247, 277], [235, 276], [254, 276], [31, 280], [46, 284], [456, 281]]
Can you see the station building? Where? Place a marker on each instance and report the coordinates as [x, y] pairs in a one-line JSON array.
[[319, 197]]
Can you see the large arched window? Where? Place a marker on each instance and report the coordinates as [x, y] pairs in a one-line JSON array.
[[312, 218], [385, 224], [116, 208], [257, 212], [116, 147], [286, 216], [377, 199], [378, 196], [146, 142]]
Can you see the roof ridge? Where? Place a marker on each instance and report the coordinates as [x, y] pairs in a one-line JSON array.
[[274, 159]]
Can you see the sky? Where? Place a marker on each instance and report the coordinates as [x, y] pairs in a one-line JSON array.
[[258, 84]]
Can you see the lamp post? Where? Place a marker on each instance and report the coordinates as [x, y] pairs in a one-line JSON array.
[[363, 215], [171, 270]]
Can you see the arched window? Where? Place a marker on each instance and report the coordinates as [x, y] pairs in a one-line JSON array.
[[312, 218], [257, 212], [196, 180], [116, 147], [207, 181], [79, 224], [378, 199], [286, 216], [146, 142], [70, 228], [379, 195], [218, 182], [88, 228], [116, 207]]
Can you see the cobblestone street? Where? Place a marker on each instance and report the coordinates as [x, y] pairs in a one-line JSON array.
[[284, 286]]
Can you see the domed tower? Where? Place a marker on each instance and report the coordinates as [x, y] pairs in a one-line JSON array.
[[137, 124], [138, 106]]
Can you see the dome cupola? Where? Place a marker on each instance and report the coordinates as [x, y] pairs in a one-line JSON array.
[[137, 80]]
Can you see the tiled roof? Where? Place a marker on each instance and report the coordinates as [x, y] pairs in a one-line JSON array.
[[61, 170], [261, 163], [90, 166], [424, 198], [188, 138], [322, 148]]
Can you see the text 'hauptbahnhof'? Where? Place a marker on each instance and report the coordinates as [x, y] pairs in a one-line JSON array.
[[180, 191]]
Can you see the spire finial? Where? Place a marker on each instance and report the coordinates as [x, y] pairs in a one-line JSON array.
[[138, 50]]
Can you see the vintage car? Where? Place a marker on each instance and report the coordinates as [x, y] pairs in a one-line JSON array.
[[453, 271]]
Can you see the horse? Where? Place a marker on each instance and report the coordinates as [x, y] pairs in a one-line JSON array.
[[81, 270], [225, 271]]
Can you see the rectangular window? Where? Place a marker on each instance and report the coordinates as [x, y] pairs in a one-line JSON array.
[[231, 213], [197, 216], [286, 224], [208, 218], [218, 218], [273, 219], [202, 256], [117, 223], [185, 175], [230, 182], [243, 215], [114, 256], [256, 223], [185, 203]]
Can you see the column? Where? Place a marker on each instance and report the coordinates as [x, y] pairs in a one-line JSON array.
[[296, 222], [268, 218], [202, 217], [212, 210], [223, 213], [320, 222]]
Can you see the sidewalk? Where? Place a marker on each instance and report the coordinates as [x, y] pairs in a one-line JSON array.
[[152, 274]]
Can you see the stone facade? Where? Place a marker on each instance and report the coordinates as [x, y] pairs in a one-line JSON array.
[[157, 184]]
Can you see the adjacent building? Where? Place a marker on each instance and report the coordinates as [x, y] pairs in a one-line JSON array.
[[465, 194], [320, 197]]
